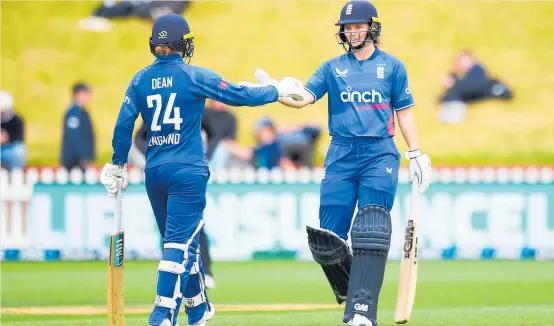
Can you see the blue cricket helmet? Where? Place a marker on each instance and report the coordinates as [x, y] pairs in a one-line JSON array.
[[356, 12], [173, 31]]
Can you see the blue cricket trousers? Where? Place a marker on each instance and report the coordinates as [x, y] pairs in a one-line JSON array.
[[177, 193], [362, 170]]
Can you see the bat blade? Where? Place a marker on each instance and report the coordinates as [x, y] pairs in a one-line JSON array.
[[116, 298], [407, 280], [408, 275]]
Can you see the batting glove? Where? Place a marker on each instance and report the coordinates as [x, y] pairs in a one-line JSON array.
[[263, 78], [420, 166], [291, 87], [112, 176], [287, 87]]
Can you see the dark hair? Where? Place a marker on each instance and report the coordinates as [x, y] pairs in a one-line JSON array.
[[163, 50], [79, 87]]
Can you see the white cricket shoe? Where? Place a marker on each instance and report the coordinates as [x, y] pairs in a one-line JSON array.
[[166, 322], [360, 320], [207, 316]]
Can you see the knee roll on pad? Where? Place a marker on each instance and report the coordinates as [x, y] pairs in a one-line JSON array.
[[335, 258], [372, 229]]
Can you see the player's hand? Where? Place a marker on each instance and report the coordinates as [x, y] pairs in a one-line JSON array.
[[287, 87], [291, 87], [420, 166], [112, 176]]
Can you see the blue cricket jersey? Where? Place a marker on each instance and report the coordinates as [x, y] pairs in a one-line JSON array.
[[363, 95], [170, 96]]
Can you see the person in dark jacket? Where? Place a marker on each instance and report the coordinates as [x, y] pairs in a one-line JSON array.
[[13, 154], [468, 82], [78, 141]]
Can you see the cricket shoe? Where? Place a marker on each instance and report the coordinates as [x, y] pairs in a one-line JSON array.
[[159, 313], [166, 322], [207, 316], [360, 320]]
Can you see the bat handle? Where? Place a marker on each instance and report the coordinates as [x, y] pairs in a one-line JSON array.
[[117, 209]]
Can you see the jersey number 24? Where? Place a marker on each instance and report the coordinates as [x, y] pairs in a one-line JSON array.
[[157, 100]]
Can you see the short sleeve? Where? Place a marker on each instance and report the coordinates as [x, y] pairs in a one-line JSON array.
[[317, 84], [402, 95]]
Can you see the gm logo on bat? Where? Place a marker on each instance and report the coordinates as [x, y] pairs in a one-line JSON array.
[[409, 239]]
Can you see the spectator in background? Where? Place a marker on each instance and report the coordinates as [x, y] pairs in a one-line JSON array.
[[140, 8], [298, 143], [13, 153], [268, 152], [468, 82], [144, 9], [220, 126], [78, 141]]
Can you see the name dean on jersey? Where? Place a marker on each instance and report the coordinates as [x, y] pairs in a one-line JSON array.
[[162, 82], [171, 139]]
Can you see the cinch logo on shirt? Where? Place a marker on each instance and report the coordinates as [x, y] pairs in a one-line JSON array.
[[372, 96]]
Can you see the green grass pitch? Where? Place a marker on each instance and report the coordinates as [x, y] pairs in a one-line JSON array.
[[449, 293]]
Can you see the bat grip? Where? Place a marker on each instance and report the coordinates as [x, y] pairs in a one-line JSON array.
[[117, 209]]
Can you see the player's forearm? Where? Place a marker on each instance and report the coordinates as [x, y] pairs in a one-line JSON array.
[[245, 96], [408, 127], [121, 144]]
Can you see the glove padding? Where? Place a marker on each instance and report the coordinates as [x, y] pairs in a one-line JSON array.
[[420, 166], [287, 87], [112, 176]]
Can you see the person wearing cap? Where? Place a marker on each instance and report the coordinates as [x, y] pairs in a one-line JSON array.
[[170, 96], [268, 152], [13, 152], [78, 139], [366, 88]]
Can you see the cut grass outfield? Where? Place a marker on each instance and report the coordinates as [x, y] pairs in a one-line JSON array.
[[449, 292], [43, 53]]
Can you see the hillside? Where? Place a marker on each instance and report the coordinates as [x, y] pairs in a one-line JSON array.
[[43, 52]]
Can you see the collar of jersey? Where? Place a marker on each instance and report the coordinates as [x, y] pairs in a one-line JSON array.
[[172, 57], [373, 55]]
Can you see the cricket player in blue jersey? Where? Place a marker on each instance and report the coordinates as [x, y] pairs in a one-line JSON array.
[[170, 96], [365, 88]]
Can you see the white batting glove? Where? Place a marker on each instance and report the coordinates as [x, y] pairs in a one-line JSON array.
[[291, 87], [420, 166], [263, 78], [112, 176], [287, 87]]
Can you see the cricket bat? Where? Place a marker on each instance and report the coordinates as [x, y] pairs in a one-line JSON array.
[[116, 302], [408, 264]]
